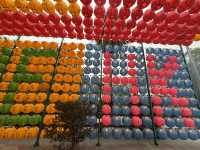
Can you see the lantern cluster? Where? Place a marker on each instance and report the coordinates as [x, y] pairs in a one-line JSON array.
[[175, 109], [149, 21]]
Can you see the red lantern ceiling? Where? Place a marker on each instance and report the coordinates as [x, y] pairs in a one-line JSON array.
[[150, 21]]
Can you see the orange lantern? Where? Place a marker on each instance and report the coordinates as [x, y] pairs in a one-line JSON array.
[[4, 86], [15, 59], [31, 97], [47, 77], [8, 4], [61, 7], [54, 97], [41, 97], [60, 69], [65, 87], [8, 76], [11, 67], [77, 78], [24, 87], [81, 46], [48, 6], [34, 87], [74, 9], [64, 98], [22, 5], [20, 97], [16, 108], [51, 109], [32, 68], [28, 108], [56, 87], [48, 119], [35, 6], [17, 51], [38, 108], [68, 78], [75, 88], [49, 68], [74, 97], [63, 60], [51, 60], [44, 86], [58, 78]]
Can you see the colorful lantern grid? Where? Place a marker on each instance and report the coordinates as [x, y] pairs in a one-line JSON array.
[[150, 21], [175, 108]]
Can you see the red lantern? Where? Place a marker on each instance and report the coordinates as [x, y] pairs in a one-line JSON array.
[[195, 8], [60, 26], [54, 18], [98, 22], [132, 81], [112, 12], [87, 22], [7, 23], [115, 80], [63, 34], [128, 3], [130, 24], [108, 22], [120, 23], [158, 111], [170, 5], [106, 99], [136, 13], [124, 13], [156, 4], [135, 111], [79, 29], [141, 25], [132, 72], [106, 109], [185, 5], [20, 16], [124, 80], [114, 3], [86, 2], [66, 19], [136, 121], [156, 100], [143, 3], [50, 26], [28, 24], [44, 18], [99, 11], [172, 16], [135, 100], [148, 15], [77, 20], [189, 122], [88, 30], [194, 19], [33, 17], [151, 26], [159, 121], [8, 15], [87, 11], [98, 31], [69, 28], [159, 17], [100, 2]]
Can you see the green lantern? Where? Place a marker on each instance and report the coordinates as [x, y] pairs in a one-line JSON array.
[[27, 51], [24, 60], [4, 59], [2, 67], [21, 68], [23, 120], [9, 97], [6, 51], [28, 77], [5, 108], [2, 120], [37, 78], [13, 86], [18, 77]]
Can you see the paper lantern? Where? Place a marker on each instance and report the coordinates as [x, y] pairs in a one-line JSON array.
[[99, 11], [86, 2], [106, 120], [116, 80], [100, 2], [159, 121], [156, 100], [159, 17], [195, 7], [106, 109], [106, 89], [106, 99], [124, 80], [184, 5], [134, 90], [136, 121], [135, 110], [155, 90], [170, 5], [128, 3], [124, 13], [148, 15], [74, 9], [186, 112], [188, 122], [158, 111], [61, 7], [156, 4], [136, 14]]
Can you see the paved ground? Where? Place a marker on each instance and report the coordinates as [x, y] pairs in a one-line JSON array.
[[114, 145]]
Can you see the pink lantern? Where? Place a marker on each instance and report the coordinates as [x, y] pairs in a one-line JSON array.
[[106, 99], [132, 72], [135, 110], [106, 109], [186, 112], [159, 121], [135, 100], [106, 120], [136, 121], [107, 70], [183, 102], [124, 80], [131, 56], [131, 64], [106, 89], [158, 111], [134, 90], [156, 100], [188, 122], [107, 55], [155, 90], [115, 80]]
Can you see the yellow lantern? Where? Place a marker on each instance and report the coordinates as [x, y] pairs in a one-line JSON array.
[[36, 6], [197, 37], [48, 6], [61, 7], [74, 9], [20, 132], [28, 108], [22, 5]]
